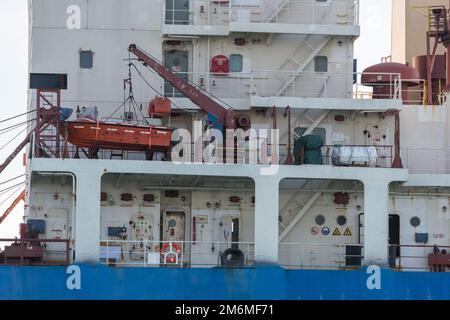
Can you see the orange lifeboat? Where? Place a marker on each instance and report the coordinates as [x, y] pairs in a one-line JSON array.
[[103, 135], [87, 132]]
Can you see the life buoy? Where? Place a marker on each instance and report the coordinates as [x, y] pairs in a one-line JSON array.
[[170, 252], [232, 257]]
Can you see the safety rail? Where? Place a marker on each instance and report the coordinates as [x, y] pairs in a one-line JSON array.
[[35, 252], [229, 85], [419, 257], [415, 95], [384, 154], [321, 256], [309, 84], [273, 83], [182, 254], [423, 160], [106, 154], [217, 12]]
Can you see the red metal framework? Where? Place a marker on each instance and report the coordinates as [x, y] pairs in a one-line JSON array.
[[47, 137], [32, 252], [438, 32]]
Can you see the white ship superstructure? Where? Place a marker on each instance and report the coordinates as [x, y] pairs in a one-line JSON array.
[[286, 64]]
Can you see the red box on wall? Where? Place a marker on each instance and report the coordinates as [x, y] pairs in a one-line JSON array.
[[220, 64]]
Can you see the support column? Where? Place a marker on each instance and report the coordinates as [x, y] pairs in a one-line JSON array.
[[376, 222], [266, 219], [87, 217]]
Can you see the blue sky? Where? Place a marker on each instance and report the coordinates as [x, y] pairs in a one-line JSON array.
[[373, 44]]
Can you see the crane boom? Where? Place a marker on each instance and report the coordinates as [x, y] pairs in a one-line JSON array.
[[225, 116], [15, 152], [21, 196]]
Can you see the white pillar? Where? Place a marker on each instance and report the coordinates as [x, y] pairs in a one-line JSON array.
[[87, 217], [266, 219], [376, 222]]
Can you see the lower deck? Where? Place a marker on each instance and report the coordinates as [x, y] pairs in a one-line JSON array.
[[159, 215]]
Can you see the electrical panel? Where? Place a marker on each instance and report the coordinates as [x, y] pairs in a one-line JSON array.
[[36, 226], [421, 237], [142, 230], [141, 234], [120, 232]]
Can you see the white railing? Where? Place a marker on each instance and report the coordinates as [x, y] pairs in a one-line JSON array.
[[216, 12], [308, 84], [328, 12], [420, 257], [229, 85], [305, 84], [195, 254], [320, 255], [427, 160]]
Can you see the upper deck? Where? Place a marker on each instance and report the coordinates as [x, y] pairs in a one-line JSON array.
[[221, 18]]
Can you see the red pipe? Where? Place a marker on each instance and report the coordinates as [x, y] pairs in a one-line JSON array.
[[397, 162]]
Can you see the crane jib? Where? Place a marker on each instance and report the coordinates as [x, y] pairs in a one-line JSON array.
[[224, 116]]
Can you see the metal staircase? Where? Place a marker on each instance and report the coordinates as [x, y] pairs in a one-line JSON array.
[[301, 58], [276, 9], [297, 206]]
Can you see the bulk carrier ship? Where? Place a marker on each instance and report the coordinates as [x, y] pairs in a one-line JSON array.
[[334, 184]]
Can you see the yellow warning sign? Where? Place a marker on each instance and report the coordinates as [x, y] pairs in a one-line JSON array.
[[347, 232], [336, 232]]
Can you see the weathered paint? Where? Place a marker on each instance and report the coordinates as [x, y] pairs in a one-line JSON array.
[[264, 282]]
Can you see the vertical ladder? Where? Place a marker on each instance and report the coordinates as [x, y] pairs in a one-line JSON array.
[[48, 123]]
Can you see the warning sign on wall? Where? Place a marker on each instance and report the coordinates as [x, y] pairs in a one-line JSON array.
[[336, 232], [347, 232]]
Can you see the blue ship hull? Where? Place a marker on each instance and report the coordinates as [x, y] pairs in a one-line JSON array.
[[259, 283]]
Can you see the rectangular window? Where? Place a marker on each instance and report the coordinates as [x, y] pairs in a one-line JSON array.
[[235, 63], [86, 59], [321, 64]]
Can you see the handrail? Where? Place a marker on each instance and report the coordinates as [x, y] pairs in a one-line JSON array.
[[210, 12]]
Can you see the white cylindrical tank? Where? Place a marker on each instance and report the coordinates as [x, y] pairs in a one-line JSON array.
[[354, 156]]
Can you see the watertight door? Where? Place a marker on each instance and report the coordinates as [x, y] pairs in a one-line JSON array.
[[57, 228]]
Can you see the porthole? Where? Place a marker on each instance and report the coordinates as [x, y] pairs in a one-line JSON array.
[[341, 220], [320, 219], [415, 221]]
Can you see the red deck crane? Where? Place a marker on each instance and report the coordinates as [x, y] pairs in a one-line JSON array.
[[20, 197], [227, 117]]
